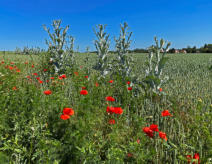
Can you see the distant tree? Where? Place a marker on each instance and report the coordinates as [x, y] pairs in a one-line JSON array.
[[172, 50], [194, 49]]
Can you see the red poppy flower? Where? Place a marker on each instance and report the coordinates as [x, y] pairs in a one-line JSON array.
[[35, 74], [44, 70], [160, 89], [40, 81], [110, 109], [165, 113], [64, 116], [63, 76], [86, 77], [112, 122], [148, 132], [154, 127], [2, 62], [97, 84], [129, 88], [47, 92], [111, 81], [189, 158], [129, 155], [68, 111], [11, 68], [83, 92], [18, 70], [83, 87], [128, 82], [118, 110], [52, 78], [163, 135], [109, 98], [38, 78], [28, 77], [14, 88], [196, 156], [47, 81], [76, 73], [33, 66]]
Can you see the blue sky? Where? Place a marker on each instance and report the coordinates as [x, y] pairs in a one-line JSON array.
[[182, 22]]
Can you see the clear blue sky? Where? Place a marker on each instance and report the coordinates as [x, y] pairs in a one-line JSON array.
[[182, 22]]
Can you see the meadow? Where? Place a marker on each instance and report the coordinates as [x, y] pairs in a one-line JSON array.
[[78, 118]]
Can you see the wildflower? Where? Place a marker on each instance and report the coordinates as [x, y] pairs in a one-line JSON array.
[[18, 70], [109, 98], [83, 92], [47, 81], [129, 88], [111, 81], [97, 84], [129, 155], [196, 156], [160, 89], [189, 158], [64, 116], [33, 66], [148, 132], [28, 77], [112, 122], [76, 73], [47, 92], [154, 127], [110, 109], [38, 78], [200, 100], [35, 74], [163, 135], [68, 111], [118, 110], [83, 87], [63, 76], [14, 88], [52, 78], [128, 82], [44, 70], [165, 113], [86, 77], [11, 68]]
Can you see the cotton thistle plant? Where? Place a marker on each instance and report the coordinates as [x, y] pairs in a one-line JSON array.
[[155, 65], [123, 61], [60, 58], [102, 46]]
